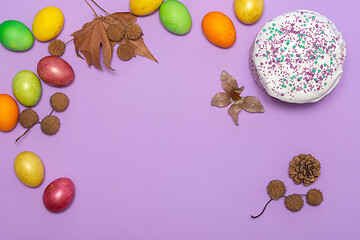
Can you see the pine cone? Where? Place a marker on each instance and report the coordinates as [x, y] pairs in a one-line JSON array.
[[304, 169]]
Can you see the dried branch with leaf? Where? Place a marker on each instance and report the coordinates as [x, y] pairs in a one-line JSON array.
[[107, 31]]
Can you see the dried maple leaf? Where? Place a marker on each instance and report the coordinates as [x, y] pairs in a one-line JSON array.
[[232, 95], [92, 36], [88, 41]]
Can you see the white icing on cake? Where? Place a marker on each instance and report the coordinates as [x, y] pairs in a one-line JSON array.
[[298, 57]]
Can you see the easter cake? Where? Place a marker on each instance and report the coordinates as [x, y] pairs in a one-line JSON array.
[[298, 57]]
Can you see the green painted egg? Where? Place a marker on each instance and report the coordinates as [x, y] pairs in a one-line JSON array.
[[27, 88], [16, 36], [175, 17]]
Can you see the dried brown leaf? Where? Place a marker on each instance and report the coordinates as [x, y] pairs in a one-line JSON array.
[[85, 37], [99, 37], [88, 57], [92, 36], [234, 111], [141, 49], [228, 83], [221, 100], [252, 104], [124, 18], [88, 41], [232, 94]]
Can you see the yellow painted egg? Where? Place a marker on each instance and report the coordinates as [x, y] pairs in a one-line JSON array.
[[249, 11], [144, 7], [29, 169], [48, 23]]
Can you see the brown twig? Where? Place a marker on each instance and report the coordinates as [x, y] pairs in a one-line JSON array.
[[100, 7], [69, 41], [22, 135], [91, 8], [107, 12], [86, 29], [25, 132], [263, 209]]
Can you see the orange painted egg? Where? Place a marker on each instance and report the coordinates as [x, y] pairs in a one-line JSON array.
[[219, 29], [9, 113]]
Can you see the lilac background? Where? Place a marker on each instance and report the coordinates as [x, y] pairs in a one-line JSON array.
[[151, 159]]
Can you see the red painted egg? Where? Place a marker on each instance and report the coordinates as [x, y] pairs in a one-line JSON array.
[[55, 71], [59, 194]]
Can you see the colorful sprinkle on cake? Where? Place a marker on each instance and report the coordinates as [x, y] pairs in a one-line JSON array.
[[298, 57]]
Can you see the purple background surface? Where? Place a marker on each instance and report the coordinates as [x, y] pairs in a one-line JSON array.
[[151, 159]]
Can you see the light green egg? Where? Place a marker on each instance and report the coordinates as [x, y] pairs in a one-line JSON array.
[[175, 17], [27, 88], [16, 36]]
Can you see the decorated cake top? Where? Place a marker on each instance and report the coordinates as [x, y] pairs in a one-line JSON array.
[[299, 56]]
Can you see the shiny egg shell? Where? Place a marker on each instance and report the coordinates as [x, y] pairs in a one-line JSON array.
[[249, 11], [16, 36], [219, 29], [9, 113], [59, 195], [48, 23], [29, 169], [27, 88], [175, 17], [55, 71], [144, 7]]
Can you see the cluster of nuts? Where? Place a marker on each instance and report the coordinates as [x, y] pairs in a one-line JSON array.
[[118, 33], [276, 189], [50, 124], [309, 170]]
